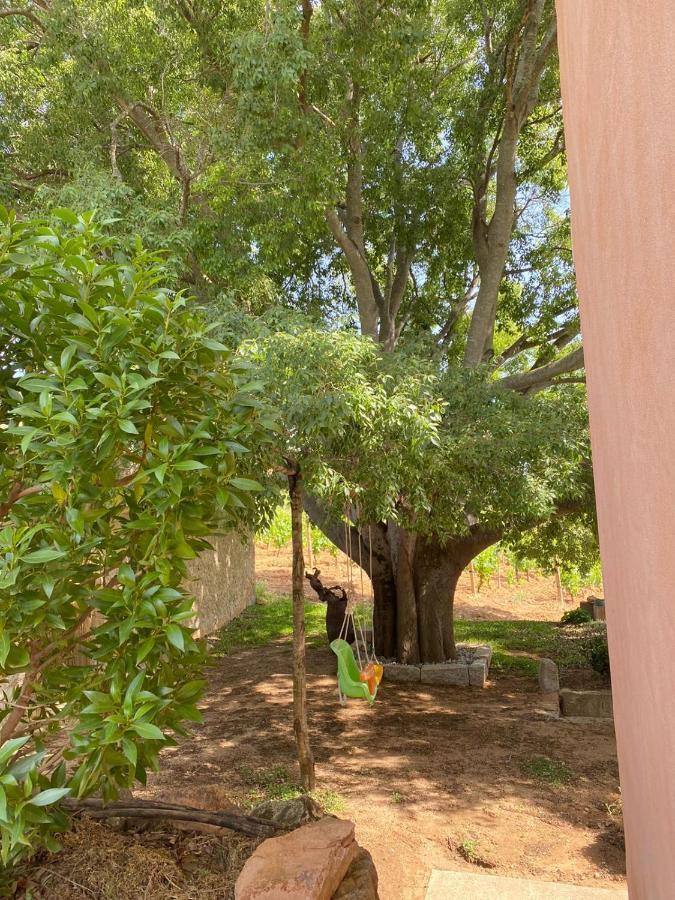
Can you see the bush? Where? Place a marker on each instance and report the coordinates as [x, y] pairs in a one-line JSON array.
[[123, 426], [576, 617], [598, 655]]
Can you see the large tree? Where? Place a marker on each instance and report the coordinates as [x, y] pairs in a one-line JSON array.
[[396, 168]]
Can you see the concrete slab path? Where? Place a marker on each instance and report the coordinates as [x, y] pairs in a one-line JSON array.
[[469, 886]]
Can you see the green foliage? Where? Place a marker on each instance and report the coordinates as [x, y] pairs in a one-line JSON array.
[[413, 442], [126, 434], [598, 654], [277, 533], [485, 564], [575, 617], [550, 771]]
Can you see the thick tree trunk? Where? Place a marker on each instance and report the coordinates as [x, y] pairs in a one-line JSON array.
[[414, 581], [305, 756]]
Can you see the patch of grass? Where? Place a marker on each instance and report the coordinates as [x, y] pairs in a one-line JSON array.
[[469, 850], [567, 647], [277, 784], [397, 797], [551, 771], [269, 620]]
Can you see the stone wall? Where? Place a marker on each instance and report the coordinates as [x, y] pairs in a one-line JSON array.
[[223, 581]]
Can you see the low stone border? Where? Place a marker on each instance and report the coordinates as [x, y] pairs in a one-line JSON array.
[[471, 673], [586, 704]]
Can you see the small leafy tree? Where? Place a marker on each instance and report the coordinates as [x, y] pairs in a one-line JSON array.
[[124, 431]]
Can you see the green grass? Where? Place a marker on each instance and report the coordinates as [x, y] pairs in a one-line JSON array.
[[509, 639], [277, 784], [516, 645], [268, 621], [551, 771]]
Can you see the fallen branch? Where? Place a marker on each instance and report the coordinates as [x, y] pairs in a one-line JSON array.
[[151, 809]]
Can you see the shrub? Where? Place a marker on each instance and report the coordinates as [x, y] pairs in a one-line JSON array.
[[598, 654], [123, 430], [576, 617]]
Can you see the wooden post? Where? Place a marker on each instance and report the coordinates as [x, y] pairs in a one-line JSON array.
[[559, 587], [472, 575], [310, 560], [499, 572], [300, 727]]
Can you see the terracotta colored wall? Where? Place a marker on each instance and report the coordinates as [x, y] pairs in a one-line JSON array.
[[618, 74], [223, 581]]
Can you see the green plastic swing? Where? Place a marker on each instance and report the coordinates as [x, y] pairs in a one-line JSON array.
[[348, 673]]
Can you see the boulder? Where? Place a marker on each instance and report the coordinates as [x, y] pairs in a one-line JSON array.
[[360, 882], [586, 704], [289, 813], [306, 864], [549, 680]]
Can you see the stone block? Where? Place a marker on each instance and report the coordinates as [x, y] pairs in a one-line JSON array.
[[586, 704], [310, 862], [401, 674], [483, 652], [445, 673], [478, 672], [549, 680]]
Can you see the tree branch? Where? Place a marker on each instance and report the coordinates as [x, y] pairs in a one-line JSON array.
[[537, 379]]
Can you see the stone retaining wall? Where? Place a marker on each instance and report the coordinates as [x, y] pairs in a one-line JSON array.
[[473, 673], [223, 581]]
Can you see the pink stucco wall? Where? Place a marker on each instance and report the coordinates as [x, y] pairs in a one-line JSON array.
[[617, 61]]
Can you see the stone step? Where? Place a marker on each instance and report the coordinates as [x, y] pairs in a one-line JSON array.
[[470, 886]]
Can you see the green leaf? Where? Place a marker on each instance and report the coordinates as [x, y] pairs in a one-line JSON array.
[[214, 345], [174, 635], [148, 731], [9, 748], [144, 648], [5, 646], [185, 465], [51, 795], [246, 484], [45, 554], [128, 426]]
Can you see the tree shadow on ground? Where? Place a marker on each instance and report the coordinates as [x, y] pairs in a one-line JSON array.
[[425, 773]]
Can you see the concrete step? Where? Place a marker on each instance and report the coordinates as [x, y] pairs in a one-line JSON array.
[[470, 886]]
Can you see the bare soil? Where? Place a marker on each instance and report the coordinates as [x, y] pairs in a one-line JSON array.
[[433, 777]]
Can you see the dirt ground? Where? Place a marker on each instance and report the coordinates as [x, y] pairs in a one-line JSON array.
[[529, 597], [433, 777]]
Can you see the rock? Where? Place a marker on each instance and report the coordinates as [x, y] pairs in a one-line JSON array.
[[587, 704], [360, 882], [400, 673], [549, 681], [478, 672], [445, 673], [289, 813], [307, 864]]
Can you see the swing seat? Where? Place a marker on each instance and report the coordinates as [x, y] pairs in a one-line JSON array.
[[349, 674]]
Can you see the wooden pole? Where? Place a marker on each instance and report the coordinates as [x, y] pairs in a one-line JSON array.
[[300, 727], [472, 574], [559, 587]]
